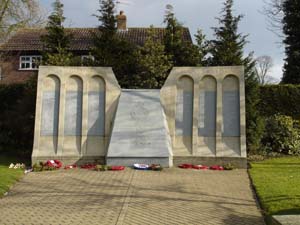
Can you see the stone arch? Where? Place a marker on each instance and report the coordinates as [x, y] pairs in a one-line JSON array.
[[207, 107], [207, 119], [185, 82], [97, 83], [73, 113], [74, 83], [231, 106], [50, 111], [51, 82], [96, 106], [73, 107], [184, 111]]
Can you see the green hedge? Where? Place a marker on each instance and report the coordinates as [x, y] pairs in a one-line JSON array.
[[17, 113], [280, 99]]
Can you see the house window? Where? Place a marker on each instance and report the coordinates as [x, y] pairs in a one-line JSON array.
[[30, 62], [87, 58]]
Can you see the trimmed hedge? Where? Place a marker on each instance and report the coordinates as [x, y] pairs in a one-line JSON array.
[[17, 113], [280, 99]]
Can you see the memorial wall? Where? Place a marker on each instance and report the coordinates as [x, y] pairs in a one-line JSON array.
[[197, 117], [205, 110], [74, 113]]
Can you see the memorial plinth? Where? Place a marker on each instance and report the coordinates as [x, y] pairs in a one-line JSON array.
[[140, 133]]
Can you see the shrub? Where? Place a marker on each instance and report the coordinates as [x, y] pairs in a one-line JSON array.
[[41, 166], [282, 135]]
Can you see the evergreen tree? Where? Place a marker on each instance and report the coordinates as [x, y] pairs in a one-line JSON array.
[[291, 29], [105, 40], [111, 50], [153, 63], [56, 41], [203, 46], [227, 50], [107, 17], [182, 52]]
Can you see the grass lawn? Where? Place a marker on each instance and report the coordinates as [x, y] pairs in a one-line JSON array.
[[8, 176], [277, 183]]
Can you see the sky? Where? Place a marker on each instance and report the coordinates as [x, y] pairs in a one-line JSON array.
[[194, 14]]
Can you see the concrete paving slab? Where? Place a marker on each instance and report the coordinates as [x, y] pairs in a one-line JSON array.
[[173, 196], [287, 219]]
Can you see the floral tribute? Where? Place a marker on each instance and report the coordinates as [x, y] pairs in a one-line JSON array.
[[88, 166], [49, 165], [155, 167], [54, 163], [70, 167], [111, 168], [17, 166], [201, 167]]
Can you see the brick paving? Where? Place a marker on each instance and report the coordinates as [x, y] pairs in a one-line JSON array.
[[171, 197]]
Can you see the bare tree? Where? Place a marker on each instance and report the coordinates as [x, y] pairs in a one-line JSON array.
[[274, 13], [263, 66], [15, 14]]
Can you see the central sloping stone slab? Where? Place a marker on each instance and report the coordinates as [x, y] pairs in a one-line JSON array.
[[140, 133]]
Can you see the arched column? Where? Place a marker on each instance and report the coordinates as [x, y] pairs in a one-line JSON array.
[[207, 116], [184, 115]]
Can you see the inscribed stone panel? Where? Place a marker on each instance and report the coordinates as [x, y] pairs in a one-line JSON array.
[[96, 114], [73, 113], [207, 114], [184, 113], [231, 114], [50, 111]]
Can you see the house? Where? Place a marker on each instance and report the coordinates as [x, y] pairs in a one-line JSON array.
[[18, 56]]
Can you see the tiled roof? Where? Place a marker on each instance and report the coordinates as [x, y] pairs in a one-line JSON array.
[[29, 39]]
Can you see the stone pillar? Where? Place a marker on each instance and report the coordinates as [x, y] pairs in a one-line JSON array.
[[84, 118], [195, 118], [61, 123], [219, 130]]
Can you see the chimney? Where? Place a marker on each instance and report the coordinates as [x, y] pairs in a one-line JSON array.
[[121, 21]]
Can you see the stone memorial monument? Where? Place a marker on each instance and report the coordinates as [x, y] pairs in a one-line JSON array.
[[198, 117]]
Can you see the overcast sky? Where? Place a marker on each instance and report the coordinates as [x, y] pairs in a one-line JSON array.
[[195, 14]]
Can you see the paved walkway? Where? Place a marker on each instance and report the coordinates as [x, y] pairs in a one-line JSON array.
[[173, 196]]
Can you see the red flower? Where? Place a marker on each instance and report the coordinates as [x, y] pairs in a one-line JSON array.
[[216, 167], [186, 166], [117, 168], [88, 166], [54, 163], [200, 167], [70, 166]]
